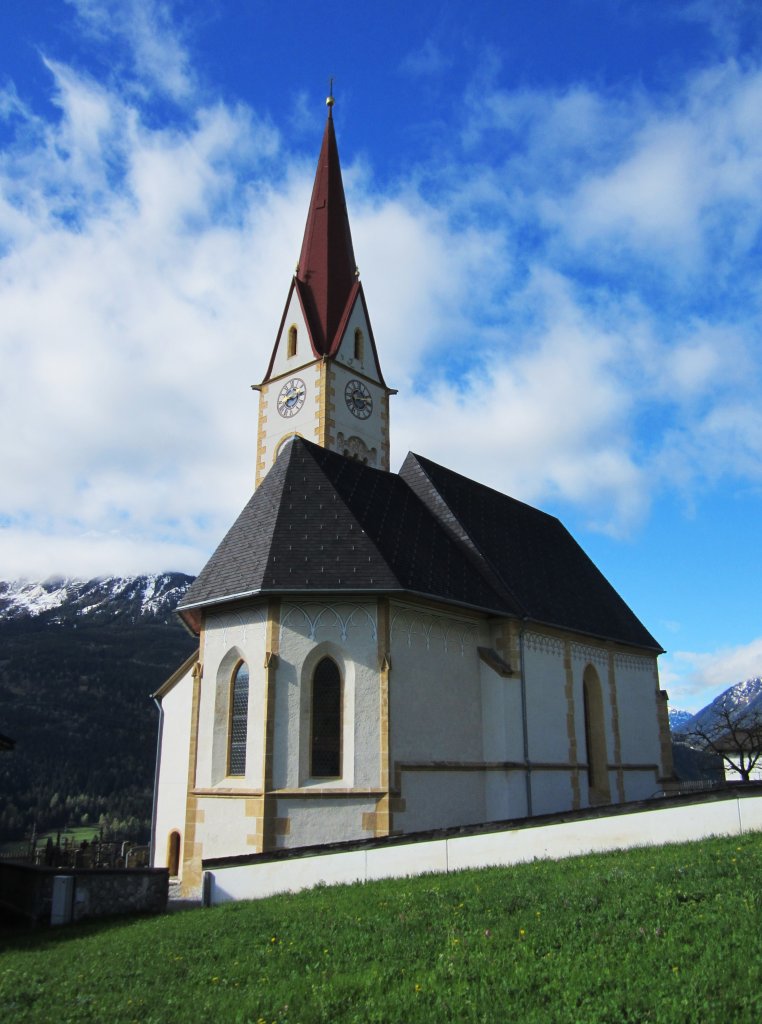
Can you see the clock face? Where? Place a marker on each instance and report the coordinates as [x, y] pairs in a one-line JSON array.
[[359, 400], [291, 397]]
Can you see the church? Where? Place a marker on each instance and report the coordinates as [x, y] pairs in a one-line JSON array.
[[384, 653]]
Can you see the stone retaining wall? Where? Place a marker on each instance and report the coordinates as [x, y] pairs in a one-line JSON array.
[[26, 891]]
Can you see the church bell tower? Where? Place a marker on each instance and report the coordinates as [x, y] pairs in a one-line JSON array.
[[324, 381]]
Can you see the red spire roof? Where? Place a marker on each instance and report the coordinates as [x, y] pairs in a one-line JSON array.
[[326, 272]]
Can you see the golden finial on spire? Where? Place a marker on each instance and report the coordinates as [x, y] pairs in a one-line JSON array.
[[330, 100]]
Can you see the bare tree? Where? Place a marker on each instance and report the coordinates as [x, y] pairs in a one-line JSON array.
[[732, 730]]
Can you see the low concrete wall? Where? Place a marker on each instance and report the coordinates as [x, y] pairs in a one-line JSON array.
[[26, 891], [729, 812]]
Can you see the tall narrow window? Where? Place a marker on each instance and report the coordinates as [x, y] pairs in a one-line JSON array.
[[239, 713], [292, 340], [358, 343], [595, 736], [325, 746]]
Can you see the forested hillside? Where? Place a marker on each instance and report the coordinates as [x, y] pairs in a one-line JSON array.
[[78, 663]]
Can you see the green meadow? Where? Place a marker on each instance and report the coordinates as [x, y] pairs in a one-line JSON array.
[[666, 935]]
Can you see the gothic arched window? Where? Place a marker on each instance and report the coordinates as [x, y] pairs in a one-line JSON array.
[[239, 716], [325, 742], [291, 341], [358, 343], [595, 735]]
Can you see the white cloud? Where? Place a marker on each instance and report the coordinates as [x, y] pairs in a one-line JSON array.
[[120, 394], [159, 58], [144, 267], [695, 678], [427, 60], [544, 418]]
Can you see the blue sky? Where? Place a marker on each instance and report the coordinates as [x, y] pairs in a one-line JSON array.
[[557, 212]]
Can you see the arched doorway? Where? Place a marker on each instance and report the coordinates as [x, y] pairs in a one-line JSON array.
[[173, 854]]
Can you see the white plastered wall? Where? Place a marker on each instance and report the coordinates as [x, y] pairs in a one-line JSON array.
[[303, 365], [546, 713], [637, 686], [283, 363], [503, 740], [345, 631], [435, 717], [346, 351], [326, 819], [229, 637], [172, 788], [371, 431], [225, 826], [545, 684]]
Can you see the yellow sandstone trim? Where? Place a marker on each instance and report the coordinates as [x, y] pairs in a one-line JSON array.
[[261, 463], [615, 727], [269, 802], [665, 736], [322, 404], [382, 818], [192, 849], [571, 725]]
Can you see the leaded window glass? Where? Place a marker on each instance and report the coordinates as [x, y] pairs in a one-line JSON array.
[[239, 714], [325, 761]]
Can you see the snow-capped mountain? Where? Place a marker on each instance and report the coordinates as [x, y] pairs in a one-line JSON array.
[[747, 693], [58, 600], [678, 719]]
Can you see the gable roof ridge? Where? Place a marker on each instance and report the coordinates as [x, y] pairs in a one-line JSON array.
[[197, 596], [411, 471], [314, 450], [486, 487]]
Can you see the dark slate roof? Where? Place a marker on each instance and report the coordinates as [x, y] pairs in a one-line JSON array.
[[323, 523], [537, 562]]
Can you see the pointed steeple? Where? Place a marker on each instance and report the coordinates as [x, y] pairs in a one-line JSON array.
[[327, 270], [324, 379]]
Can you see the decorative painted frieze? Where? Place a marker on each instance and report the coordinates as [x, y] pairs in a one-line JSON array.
[[542, 644], [448, 634], [589, 654], [356, 448], [635, 662], [324, 620], [228, 628]]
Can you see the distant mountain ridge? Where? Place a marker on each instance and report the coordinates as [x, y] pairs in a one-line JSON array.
[[151, 596], [678, 718], [747, 693]]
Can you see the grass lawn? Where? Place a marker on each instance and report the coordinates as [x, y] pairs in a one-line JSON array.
[[670, 935]]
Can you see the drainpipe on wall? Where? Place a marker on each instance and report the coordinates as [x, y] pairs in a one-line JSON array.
[[152, 840], [524, 726]]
